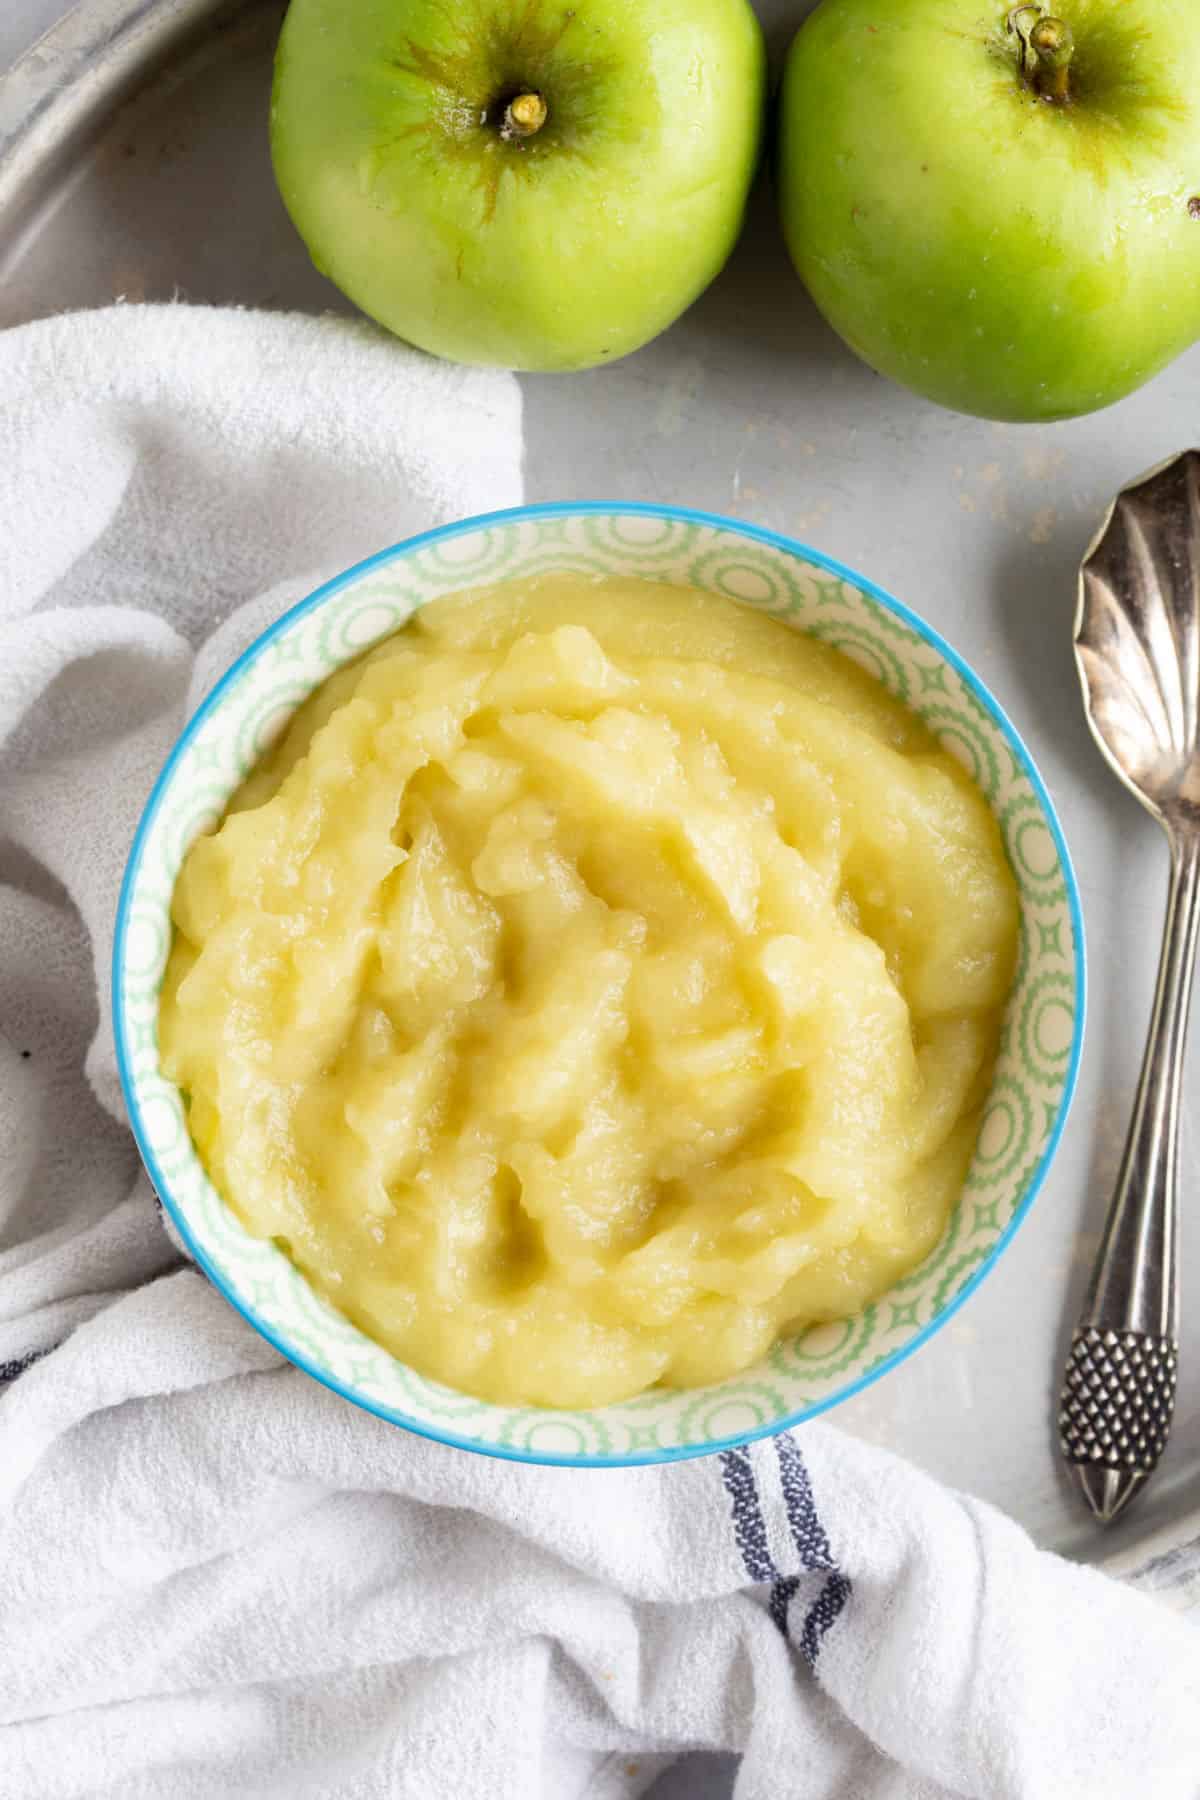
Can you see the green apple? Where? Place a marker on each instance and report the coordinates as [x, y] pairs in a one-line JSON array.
[[999, 207], [529, 183]]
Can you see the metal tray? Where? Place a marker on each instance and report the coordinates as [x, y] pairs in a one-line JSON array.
[[133, 163]]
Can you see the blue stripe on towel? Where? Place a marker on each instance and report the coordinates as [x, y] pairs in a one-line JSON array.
[[748, 1528], [822, 1613], [812, 1546], [781, 1599], [10, 1370], [808, 1535]]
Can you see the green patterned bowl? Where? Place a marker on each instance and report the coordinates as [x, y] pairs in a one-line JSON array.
[[1040, 1048]]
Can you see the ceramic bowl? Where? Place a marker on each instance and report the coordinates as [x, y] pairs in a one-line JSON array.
[[1042, 1032]]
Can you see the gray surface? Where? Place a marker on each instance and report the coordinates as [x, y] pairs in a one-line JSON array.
[[751, 406]]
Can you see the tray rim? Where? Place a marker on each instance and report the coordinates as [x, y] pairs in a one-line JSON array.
[[80, 69], [96, 49]]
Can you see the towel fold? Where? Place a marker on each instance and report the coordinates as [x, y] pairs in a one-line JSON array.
[[217, 1579]]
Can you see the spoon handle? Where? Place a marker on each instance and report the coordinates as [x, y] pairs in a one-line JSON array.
[[1119, 1390]]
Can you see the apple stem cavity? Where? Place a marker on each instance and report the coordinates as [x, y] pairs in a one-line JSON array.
[[524, 115], [1053, 43]]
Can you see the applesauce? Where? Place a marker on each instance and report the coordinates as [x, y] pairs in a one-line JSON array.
[[596, 981]]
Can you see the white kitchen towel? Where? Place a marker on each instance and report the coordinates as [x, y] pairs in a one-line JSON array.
[[219, 1580]]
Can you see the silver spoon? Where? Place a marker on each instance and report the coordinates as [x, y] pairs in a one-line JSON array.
[[1137, 646]]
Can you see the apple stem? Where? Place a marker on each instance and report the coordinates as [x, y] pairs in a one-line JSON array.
[[523, 116], [1021, 21], [1053, 44]]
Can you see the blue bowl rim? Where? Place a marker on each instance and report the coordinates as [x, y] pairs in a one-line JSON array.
[[571, 509]]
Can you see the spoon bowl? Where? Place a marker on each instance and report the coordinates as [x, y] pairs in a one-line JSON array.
[[1137, 639]]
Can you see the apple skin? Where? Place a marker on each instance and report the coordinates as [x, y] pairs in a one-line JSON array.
[[566, 249], [969, 238]]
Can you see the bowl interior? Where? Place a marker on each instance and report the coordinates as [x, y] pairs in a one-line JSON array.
[[1041, 1034]]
